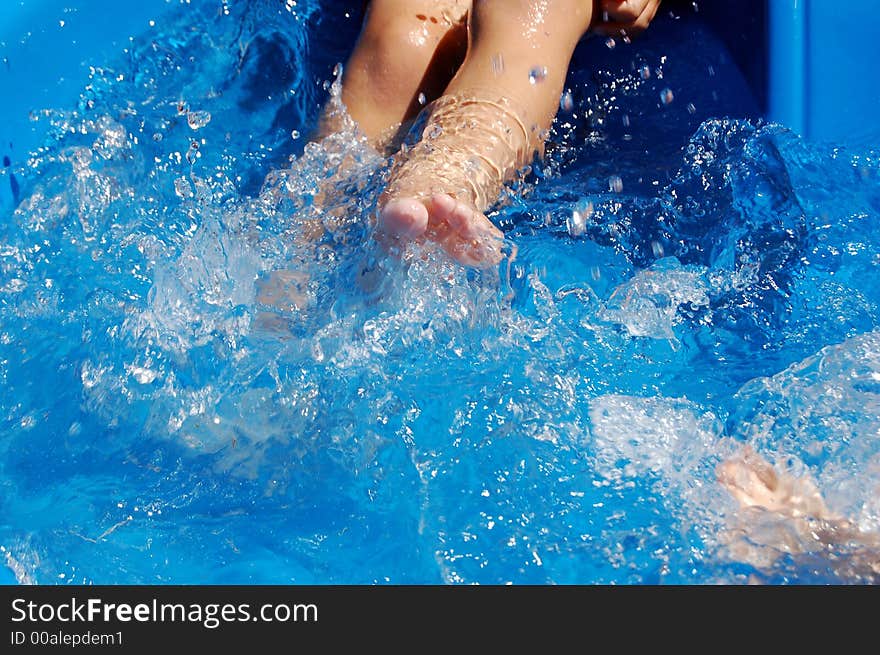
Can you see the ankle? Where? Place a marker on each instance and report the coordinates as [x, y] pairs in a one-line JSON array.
[[471, 145]]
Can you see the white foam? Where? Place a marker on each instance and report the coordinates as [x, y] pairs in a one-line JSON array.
[[647, 304]]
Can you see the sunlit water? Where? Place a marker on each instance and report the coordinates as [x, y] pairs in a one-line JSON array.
[[209, 376]]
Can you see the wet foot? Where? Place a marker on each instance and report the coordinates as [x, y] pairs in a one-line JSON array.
[[754, 482], [463, 232], [781, 514], [439, 188]]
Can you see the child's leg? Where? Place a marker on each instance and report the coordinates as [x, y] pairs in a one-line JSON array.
[[406, 48], [491, 120]]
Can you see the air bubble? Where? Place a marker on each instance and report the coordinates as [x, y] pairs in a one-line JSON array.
[[294, 134], [615, 184], [691, 109], [610, 43], [422, 99], [666, 96], [645, 72]]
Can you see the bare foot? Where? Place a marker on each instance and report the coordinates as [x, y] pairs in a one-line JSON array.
[[754, 482], [438, 189], [783, 514], [463, 232]]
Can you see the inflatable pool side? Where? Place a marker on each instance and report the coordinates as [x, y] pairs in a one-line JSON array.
[[813, 65]]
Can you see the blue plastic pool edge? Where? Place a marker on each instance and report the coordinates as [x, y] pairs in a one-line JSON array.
[[788, 92]]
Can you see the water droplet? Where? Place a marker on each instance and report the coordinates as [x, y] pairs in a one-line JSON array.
[[182, 188], [422, 99], [610, 43], [198, 119], [691, 109], [294, 134], [645, 72], [537, 74], [193, 153], [497, 64], [143, 375], [576, 224], [666, 96], [566, 102], [615, 184]]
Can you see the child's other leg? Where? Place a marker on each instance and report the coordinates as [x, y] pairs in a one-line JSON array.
[[491, 120], [784, 514], [405, 48]]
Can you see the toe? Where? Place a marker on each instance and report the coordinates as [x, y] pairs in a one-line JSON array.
[[461, 218], [441, 208], [403, 217], [468, 236]]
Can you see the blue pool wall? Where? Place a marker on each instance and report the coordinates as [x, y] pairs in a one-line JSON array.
[[811, 64], [832, 90]]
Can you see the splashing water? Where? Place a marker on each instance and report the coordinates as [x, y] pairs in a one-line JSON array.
[[211, 374]]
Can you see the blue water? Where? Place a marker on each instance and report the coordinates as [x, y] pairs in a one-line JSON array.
[[685, 278]]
